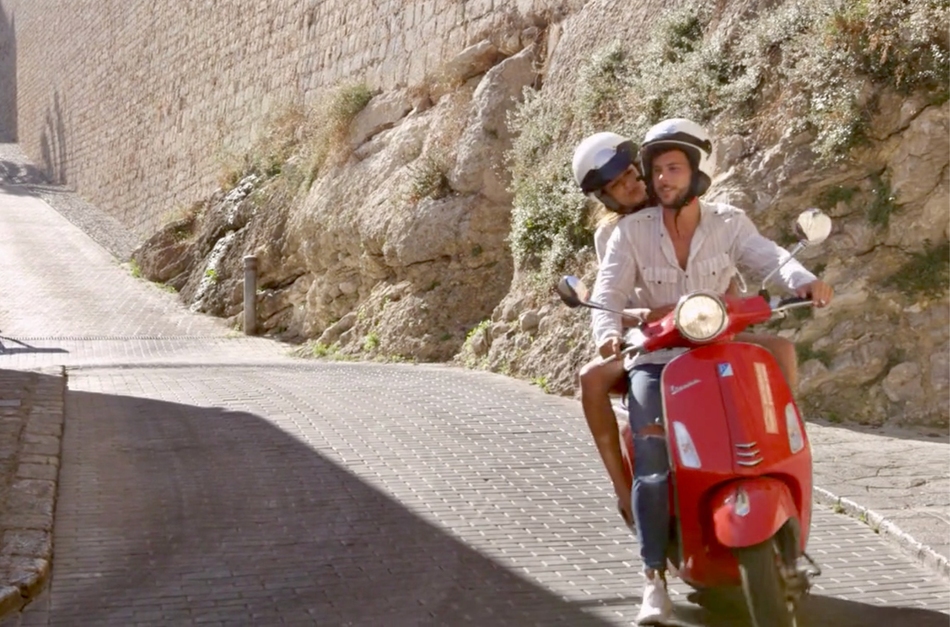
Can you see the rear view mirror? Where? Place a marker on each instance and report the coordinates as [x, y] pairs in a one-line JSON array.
[[572, 291], [813, 226]]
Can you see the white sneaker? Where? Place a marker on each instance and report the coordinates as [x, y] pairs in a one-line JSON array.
[[656, 607]]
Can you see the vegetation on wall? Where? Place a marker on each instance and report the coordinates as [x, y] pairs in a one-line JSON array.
[[925, 273], [816, 65], [299, 136]]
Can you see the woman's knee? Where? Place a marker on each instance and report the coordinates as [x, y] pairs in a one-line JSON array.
[[598, 376]]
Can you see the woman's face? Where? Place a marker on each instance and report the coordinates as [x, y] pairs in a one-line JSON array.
[[628, 190]]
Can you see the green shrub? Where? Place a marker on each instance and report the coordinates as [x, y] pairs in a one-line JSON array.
[[601, 87], [900, 43], [805, 352], [549, 219], [478, 328], [883, 201], [541, 382], [829, 198], [318, 349], [926, 273], [328, 125], [428, 179], [348, 99], [371, 341]]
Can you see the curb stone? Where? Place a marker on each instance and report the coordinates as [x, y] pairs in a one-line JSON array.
[[922, 553], [27, 522]]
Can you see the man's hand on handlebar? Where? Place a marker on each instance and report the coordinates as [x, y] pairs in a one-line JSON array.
[[634, 317], [820, 292]]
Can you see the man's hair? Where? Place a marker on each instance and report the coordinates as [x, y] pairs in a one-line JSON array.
[[662, 150]]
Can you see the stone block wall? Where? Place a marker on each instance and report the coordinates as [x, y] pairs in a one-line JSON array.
[[136, 103], [8, 91]]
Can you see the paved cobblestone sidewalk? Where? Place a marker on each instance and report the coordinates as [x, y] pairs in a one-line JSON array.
[[31, 426]]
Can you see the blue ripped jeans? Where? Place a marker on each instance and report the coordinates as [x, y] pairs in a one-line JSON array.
[[651, 466]]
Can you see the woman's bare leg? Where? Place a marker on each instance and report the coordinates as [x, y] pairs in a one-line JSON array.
[[783, 350]]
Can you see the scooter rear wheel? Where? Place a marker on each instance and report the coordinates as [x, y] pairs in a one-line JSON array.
[[764, 587]]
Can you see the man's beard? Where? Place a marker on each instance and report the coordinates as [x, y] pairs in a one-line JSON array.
[[678, 202], [628, 209]]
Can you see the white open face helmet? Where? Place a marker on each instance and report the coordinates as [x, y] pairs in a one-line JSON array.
[[685, 135], [601, 158]]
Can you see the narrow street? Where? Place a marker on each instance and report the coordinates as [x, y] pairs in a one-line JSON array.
[[209, 478]]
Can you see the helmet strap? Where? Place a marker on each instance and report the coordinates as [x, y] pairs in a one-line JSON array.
[[608, 201], [611, 204]]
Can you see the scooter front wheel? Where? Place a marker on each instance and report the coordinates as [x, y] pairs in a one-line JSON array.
[[764, 587]]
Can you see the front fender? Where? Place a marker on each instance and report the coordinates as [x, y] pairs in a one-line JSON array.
[[750, 511]]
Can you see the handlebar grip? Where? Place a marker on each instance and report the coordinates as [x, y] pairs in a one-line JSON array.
[[793, 300]]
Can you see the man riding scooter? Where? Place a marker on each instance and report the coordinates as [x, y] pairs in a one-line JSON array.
[[652, 258], [606, 167]]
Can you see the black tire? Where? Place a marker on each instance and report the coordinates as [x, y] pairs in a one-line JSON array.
[[763, 587]]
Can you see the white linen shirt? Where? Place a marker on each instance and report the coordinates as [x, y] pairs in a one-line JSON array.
[[639, 267]]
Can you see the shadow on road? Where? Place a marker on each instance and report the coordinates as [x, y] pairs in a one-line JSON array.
[[14, 173], [22, 347], [219, 514]]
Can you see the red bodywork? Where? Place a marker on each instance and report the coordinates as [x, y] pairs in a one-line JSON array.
[[734, 403]]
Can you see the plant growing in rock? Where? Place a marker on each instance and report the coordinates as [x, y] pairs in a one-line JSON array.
[[541, 382], [427, 179], [135, 269], [883, 201], [371, 341], [804, 352], [829, 198], [926, 273], [329, 122]]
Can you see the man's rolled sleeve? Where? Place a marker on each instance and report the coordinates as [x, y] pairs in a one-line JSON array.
[[761, 256], [616, 279]]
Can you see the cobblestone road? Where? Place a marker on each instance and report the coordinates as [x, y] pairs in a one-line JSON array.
[[213, 480]]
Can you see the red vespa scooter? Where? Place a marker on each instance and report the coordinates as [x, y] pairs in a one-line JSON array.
[[741, 480]]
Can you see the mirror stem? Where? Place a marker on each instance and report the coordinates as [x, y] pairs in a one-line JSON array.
[[791, 255]]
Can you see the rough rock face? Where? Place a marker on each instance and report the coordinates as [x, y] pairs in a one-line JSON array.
[[398, 247]]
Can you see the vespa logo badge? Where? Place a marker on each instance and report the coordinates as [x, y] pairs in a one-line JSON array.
[[676, 389], [725, 370]]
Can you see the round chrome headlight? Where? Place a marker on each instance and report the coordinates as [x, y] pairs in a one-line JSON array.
[[700, 317]]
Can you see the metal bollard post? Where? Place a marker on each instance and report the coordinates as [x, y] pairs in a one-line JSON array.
[[250, 295]]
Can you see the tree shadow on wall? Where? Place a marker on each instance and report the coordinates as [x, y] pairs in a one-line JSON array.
[[53, 143], [8, 87]]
